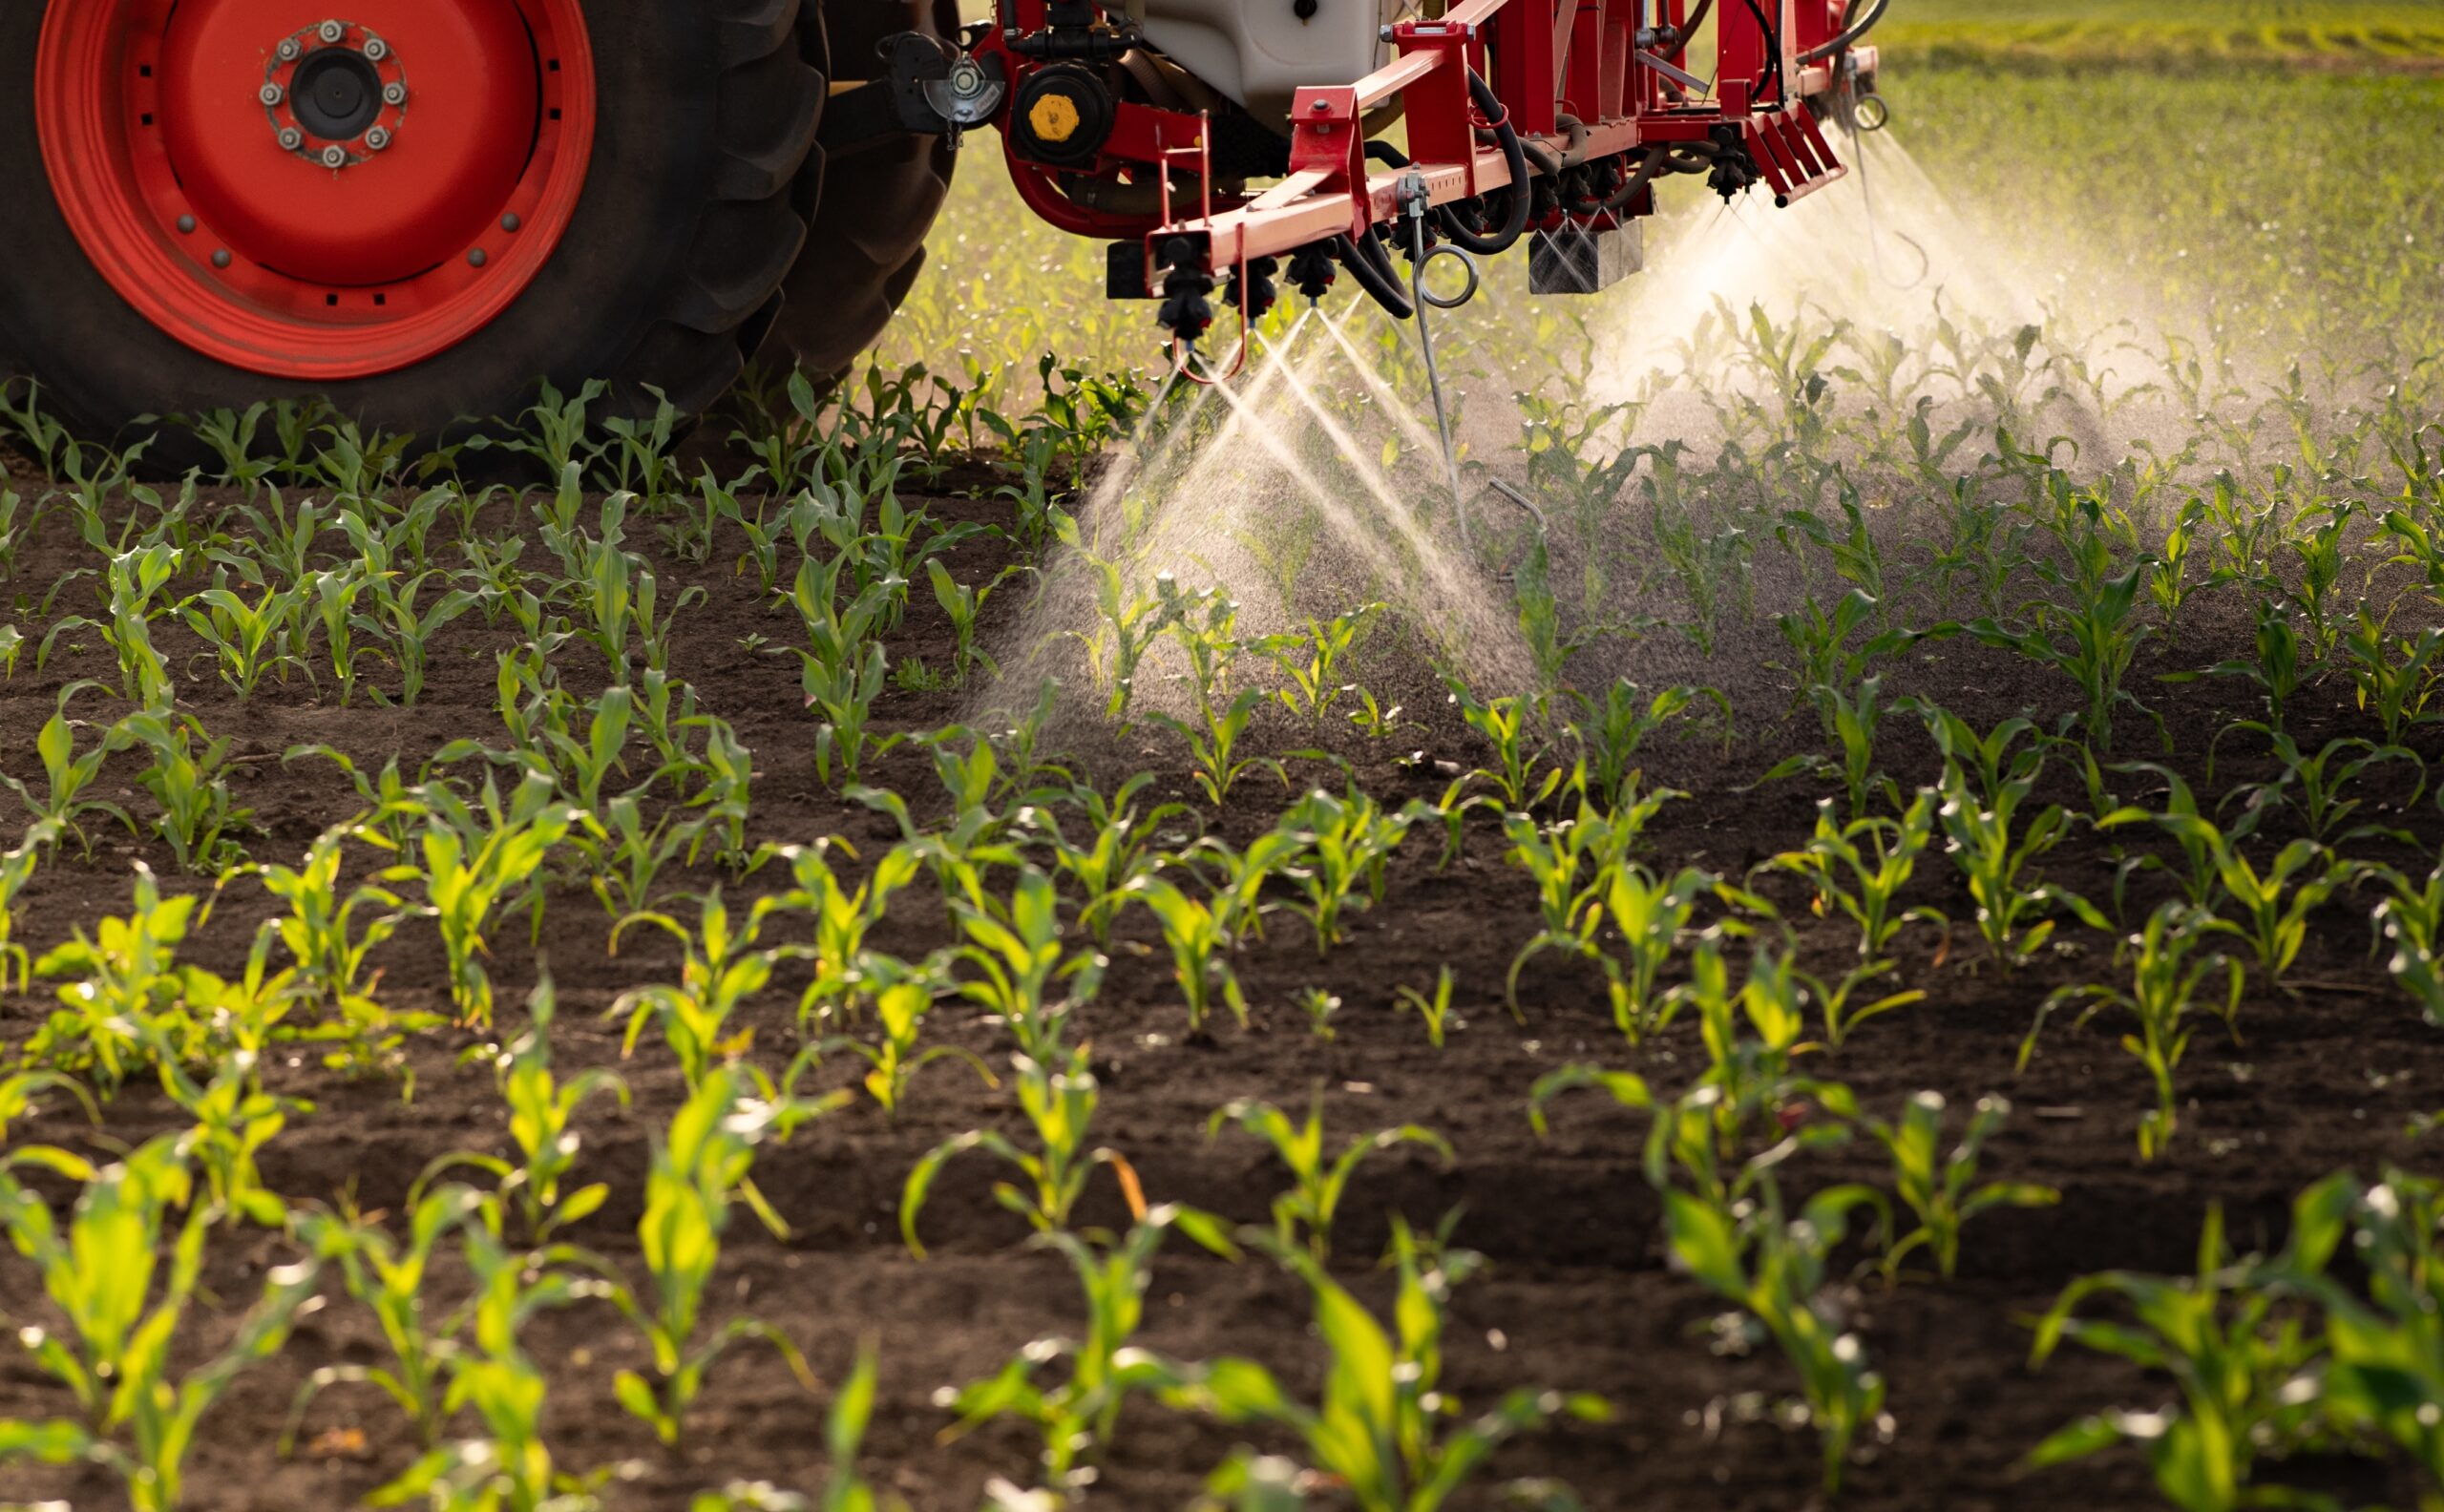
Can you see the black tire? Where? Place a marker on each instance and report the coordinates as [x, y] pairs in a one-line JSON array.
[[690, 219], [870, 209]]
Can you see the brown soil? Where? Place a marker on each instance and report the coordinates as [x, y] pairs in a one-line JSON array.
[[1579, 1295]]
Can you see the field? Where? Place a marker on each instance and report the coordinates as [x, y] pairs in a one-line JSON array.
[[1032, 934]]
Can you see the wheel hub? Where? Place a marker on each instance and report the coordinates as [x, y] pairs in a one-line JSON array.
[[257, 189], [337, 95]]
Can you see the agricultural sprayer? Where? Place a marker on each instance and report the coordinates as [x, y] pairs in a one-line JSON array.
[[420, 208]]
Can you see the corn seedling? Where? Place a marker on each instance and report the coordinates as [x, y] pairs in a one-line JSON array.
[[1384, 1430], [542, 1125], [2093, 642], [135, 580], [2314, 785], [2392, 676], [1099, 1372], [121, 990], [1200, 943], [1507, 725], [475, 863], [846, 972], [723, 966], [1772, 1268], [1435, 1010], [330, 949], [2169, 967], [895, 1058], [121, 1309], [2274, 905], [1609, 733], [17, 868], [1025, 977], [2244, 1363], [1996, 849], [249, 640], [1861, 869], [189, 779], [1346, 844], [1120, 845], [1058, 1098], [699, 1171], [68, 773], [2409, 920], [1941, 1190], [1648, 911], [1302, 1217]]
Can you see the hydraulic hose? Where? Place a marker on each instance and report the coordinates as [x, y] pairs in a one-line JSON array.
[[1514, 155], [1850, 33], [1372, 267], [1513, 152], [1689, 30]]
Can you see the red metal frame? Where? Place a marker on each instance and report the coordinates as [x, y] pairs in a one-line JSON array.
[[1566, 72]]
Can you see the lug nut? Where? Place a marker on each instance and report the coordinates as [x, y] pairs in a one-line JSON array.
[[378, 140], [376, 50], [394, 93], [335, 157], [272, 95], [291, 138], [289, 50], [332, 30]]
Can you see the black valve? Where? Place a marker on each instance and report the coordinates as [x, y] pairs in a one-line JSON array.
[[1312, 271], [1261, 293]]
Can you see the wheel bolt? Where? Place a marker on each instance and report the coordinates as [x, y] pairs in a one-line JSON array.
[[376, 50], [222, 259], [289, 50], [394, 93], [273, 95], [291, 138], [476, 258], [378, 139], [332, 32], [335, 157]]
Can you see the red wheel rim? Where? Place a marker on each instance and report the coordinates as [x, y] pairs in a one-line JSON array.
[[317, 195]]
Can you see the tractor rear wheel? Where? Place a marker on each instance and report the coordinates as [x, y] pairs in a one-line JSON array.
[[872, 205], [421, 211]]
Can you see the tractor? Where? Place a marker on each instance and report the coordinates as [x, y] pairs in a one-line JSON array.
[[420, 210]]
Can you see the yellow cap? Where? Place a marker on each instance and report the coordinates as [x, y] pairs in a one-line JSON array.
[[1053, 119]]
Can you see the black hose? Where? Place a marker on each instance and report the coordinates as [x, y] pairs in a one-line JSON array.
[[1850, 33], [1773, 48], [1372, 267], [1514, 154], [1689, 30]]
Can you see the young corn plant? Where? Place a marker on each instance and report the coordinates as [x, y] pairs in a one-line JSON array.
[[723, 966], [1025, 977], [1861, 869], [122, 992], [2093, 641], [843, 672], [1385, 1431], [1302, 1217], [1200, 941], [2313, 786], [846, 971], [331, 933], [542, 1125], [699, 1173], [2244, 1362], [1434, 1008], [1347, 845], [1772, 1268], [249, 641], [391, 1279], [1078, 1414], [2274, 905], [1120, 844], [2169, 965], [2392, 676], [135, 580], [2409, 921], [17, 868], [189, 778], [895, 1058], [1508, 724], [121, 1308], [1997, 848], [1940, 1190], [1058, 1098], [477, 862], [1610, 732]]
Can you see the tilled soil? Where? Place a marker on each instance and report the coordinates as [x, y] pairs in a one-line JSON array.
[[2326, 1074]]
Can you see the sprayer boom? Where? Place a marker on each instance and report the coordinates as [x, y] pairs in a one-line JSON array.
[[1173, 128]]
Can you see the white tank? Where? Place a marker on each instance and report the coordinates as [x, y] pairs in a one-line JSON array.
[[1260, 53]]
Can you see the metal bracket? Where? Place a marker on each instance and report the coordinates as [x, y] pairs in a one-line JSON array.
[[928, 87]]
